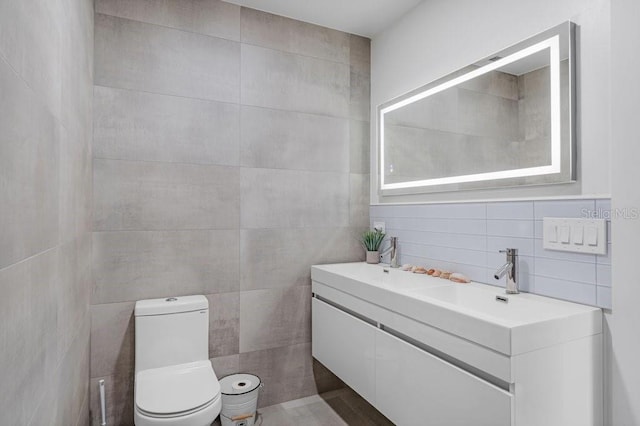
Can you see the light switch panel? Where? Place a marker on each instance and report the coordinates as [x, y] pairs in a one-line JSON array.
[[574, 234]]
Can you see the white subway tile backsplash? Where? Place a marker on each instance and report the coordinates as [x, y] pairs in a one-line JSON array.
[[524, 245], [510, 228], [566, 270], [454, 211], [567, 290], [510, 210], [466, 237], [603, 295], [538, 228], [603, 275], [605, 259], [562, 208]]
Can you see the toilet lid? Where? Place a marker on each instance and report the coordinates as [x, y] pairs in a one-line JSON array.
[[176, 389]]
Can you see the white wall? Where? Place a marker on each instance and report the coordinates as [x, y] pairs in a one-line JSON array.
[[441, 36], [623, 323]]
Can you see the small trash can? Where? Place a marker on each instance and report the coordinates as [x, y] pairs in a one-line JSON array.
[[239, 399]]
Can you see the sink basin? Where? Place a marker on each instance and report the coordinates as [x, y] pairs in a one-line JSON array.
[[525, 323], [493, 303]]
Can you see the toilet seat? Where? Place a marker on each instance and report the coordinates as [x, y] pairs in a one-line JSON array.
[[177, 390]]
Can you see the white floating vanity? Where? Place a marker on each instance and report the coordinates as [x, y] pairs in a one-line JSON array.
[[426, 351]]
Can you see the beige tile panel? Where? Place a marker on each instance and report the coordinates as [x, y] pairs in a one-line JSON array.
[[359, 201], [150, 58], [274, 317], [130, 266], [29, 146], [131, 125], [225, 365], [112, 339], [360, 54], [76, 53], [224, 324], [293, 199], [134, 195], [30, 42], [119, 391], [29, 357], [277, 32], [75, 181], [210, 17], [292, 140], [277, 258], [359, 146], [360, 98], [287, 373], [274, 79], [73, 290]]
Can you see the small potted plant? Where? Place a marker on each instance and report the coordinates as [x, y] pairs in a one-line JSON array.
[[371, 241]]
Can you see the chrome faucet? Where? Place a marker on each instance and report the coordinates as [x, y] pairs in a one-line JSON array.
[[510, 269], [392, 251]]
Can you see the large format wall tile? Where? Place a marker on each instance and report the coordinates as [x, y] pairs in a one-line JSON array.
[[280, 33], [119, 391], [276, 258], [132, 265], [359, 99], [292, 140], [360, 54], [211, 17], [76, 52], [288, 373], [275, 317], [45, 210], [293, 199], [149, 195], [135, 55], [359, 146], [296, 83], [132, 125], [112, 337], [75, 182], [224, 324], [28, 334], [29, 145], [359, 200], [30, 42], [74, 289]]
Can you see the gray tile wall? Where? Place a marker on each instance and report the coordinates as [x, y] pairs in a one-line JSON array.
[[466, 237], [231, 152], [46, 83]]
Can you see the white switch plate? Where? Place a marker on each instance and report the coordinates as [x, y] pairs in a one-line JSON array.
[[580, 235], [379, 225]]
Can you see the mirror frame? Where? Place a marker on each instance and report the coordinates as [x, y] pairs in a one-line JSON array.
[[563, 152]]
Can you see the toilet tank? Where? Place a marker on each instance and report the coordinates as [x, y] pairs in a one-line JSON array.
[[171, 331]]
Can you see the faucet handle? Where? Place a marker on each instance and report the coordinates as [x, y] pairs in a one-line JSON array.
[[509, 251]]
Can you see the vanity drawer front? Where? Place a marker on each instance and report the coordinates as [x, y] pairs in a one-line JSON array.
[[345, 345], [414, 387]]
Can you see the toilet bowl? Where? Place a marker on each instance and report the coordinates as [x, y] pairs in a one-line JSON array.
[[175, 384]]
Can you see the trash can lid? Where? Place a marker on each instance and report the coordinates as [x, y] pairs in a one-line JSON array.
[[238, 384]]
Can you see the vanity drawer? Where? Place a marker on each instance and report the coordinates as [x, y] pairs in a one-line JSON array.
[[345, 345], [414, 387]]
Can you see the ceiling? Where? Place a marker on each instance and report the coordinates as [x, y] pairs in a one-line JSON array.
[[363, 17]]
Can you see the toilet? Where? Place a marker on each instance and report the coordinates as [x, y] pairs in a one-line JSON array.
[[175, 384]]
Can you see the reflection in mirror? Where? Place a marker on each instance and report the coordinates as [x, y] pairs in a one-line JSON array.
[[502, 121]]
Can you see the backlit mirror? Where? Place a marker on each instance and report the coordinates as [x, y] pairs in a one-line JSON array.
[[505, 120]]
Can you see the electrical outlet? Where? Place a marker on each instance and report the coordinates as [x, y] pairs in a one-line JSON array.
[[379, 225]]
